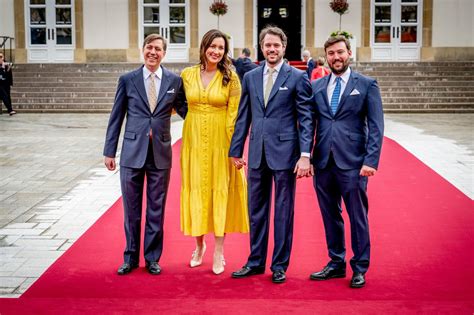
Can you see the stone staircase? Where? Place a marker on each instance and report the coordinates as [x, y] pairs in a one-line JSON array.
[[424, 87], [435, 87]]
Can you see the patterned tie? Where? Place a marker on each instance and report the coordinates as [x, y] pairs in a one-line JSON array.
[[269, 86], [152, 99], [335, 95]]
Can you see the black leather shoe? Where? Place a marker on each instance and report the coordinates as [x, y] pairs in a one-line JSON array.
[[358, 280], [328, 273], [126, 268], [153, 268], [278, 276], [247, 271]]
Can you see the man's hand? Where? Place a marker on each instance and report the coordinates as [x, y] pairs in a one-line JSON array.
[[109, 163], [303, 167], [367, 171], [238, 162]]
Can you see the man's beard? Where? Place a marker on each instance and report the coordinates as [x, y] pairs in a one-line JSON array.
[[275, 62], [344, 68]]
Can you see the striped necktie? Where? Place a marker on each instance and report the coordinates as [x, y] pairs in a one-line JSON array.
[[335, 96]]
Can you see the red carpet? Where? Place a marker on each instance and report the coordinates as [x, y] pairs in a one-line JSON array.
[[422, 259]]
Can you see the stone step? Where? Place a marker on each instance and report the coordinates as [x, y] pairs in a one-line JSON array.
[[434, 100], [61, 89], [75, 94], [405, 87], [388, 83], [387, 106], [429, 110], [428, 94], [67, 100], [62, 110], [65, 106]]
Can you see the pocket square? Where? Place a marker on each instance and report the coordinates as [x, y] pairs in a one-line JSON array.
[[355, 92], [283, 88], [170, 91]]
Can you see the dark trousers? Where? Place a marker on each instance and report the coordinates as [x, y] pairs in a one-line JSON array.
[[333, 184], [5, 97], [260, 194], [132, 182]]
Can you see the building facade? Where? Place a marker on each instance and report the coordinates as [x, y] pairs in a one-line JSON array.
[[83, 31]]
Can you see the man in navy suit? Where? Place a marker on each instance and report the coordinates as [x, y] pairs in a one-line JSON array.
[[146, 97], [349, 123], [309, 62], [276, 102], [244, 64]]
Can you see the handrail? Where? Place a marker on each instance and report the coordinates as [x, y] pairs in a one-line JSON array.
[[3, 45]]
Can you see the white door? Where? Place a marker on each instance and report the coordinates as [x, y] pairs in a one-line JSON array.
[[396, 30], [169, 18], [50, 30]]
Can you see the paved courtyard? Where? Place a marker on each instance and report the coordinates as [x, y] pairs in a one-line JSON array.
[[53, 185]]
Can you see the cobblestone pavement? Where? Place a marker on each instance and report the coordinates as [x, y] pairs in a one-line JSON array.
[[53, 185]]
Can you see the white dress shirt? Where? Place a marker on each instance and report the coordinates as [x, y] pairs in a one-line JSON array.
[[277, 69], [146, 79], [332, 84]]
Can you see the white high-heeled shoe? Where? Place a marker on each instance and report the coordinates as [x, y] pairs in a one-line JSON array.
[[218, 264], [196, 259]]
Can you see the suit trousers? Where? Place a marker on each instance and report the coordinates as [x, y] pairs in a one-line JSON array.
[[260, 194], [333, 184], [5, 97], [132, 182]]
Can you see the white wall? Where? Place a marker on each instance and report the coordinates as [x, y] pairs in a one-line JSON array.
[[232, 23], [106, 24], [453, 24], [7, 22], [327, 21]]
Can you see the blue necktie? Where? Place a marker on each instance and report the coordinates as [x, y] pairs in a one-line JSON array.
[[335, 95]]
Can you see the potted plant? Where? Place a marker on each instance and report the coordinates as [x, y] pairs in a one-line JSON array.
[[340, 7], [218, 7]]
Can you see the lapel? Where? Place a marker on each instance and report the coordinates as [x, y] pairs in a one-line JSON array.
[[140, 85], [165, 84], [258, 81], [281, 78], [347, 91], [324, 92]]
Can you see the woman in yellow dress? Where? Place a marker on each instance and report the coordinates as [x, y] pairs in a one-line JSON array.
[[213, 191]]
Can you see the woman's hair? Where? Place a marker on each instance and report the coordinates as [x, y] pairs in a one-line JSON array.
[[225, 65], [321, 61]]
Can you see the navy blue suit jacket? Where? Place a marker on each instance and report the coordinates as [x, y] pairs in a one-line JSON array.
[[131, 101], [310, 67], [355, 133], [242, 66], [284, 127]]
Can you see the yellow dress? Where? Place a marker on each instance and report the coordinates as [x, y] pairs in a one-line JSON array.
[[213, 191]]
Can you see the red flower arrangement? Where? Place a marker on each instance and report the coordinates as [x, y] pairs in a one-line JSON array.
[[339, 6], [218, 7]]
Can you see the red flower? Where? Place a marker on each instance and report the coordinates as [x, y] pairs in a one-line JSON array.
[[339, 6], [218, 7]]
